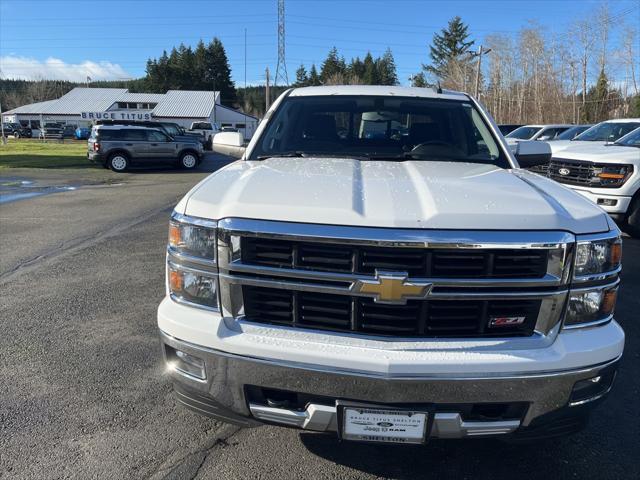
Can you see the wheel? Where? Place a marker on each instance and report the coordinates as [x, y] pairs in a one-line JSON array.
[[632, 226], [16, 135], [118, 162], [188, 160]]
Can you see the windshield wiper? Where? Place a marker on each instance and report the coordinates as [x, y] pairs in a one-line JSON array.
[[296, 154]]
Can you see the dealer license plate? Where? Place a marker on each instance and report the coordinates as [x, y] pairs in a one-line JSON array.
[[379, 425]]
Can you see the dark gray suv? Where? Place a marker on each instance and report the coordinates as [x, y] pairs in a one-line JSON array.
[[119, 146]]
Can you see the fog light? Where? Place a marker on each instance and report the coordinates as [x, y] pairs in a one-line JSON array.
[[607, 202], [593, 388], [185, 363]]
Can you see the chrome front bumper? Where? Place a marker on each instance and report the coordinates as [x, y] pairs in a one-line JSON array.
[[223, 392]]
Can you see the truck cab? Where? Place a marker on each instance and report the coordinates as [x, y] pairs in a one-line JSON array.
[[377, 264]]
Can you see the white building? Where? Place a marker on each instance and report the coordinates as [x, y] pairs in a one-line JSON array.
[[82, 106]]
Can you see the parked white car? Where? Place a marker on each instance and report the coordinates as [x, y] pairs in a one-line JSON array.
[[599, 134], [377, 265], [537, 132], [609, 175]]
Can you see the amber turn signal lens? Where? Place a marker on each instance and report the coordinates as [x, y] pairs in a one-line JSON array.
[[616, 253], [609, 301], [175, 235], [175, 281], [614, 176]]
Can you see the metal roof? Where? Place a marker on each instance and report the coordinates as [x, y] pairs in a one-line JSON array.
[[174, 103], [85, 100], [142, 97], [187, 104], [36, 108]]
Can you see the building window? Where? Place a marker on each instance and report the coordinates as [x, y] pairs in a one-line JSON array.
[[241, 125], [226, 125], [122, 104], [35, 123]]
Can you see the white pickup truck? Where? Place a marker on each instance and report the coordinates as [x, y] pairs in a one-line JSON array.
[[207, 130], [378, 265], [607, 174]]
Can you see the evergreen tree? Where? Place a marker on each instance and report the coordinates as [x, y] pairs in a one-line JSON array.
[[199, 66], [387, 69], [218, 72], [418, 80], [356, 70], [598, 96], [332, 66], [302, 78], [314, 78], [370, 76], [451, 45]]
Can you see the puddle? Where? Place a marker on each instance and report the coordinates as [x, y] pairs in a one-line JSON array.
[[15, 189]]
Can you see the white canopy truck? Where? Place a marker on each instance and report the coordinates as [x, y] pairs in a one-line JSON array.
[[378, 265], [206, 130]]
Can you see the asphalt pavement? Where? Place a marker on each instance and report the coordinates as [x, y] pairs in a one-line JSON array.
[[83, 393]]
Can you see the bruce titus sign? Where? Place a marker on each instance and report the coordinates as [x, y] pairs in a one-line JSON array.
[[115, 116]]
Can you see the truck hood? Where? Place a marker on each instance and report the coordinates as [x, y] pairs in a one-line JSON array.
[[561, 145], [408, 194], [602, 153]]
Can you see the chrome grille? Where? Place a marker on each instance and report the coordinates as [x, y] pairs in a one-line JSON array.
[[311, 276], [435, 318], [580, 173], [359, 259]]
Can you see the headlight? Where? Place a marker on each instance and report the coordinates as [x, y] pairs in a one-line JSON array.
[[194, 237], [597, 256], [192, 273], [192, 286], [590, 306], [611, 175]]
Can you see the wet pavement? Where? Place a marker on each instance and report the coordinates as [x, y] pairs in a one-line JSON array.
[[13, 189]]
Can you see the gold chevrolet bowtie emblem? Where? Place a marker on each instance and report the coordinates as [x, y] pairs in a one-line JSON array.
[[392, 287]]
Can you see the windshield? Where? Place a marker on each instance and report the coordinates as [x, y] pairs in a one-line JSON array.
[[524, 133], [607, 131], [630, 140], [572, 132], [379, 127]]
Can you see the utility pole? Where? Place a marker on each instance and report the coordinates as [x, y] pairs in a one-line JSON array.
[[481, 52], [267, 99], [4, 139], [214, 101], [245, 60]]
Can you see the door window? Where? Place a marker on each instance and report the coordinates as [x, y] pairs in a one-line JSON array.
[[155, 136]]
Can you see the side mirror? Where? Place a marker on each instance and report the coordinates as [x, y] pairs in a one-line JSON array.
[[532, 153], [229, 143]]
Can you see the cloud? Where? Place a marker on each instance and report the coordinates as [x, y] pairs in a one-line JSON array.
[[25, 68]]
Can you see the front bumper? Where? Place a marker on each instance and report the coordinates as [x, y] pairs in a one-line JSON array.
[[604, 200], [228, 393]]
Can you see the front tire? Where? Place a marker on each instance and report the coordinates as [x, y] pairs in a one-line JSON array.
[[188, 160], [16, 135], [632, 226], [118, 162]]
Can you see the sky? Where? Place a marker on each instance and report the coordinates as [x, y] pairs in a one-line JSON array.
[[112, 39]]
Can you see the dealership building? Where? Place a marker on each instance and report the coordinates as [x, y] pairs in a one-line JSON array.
[[83, 106]]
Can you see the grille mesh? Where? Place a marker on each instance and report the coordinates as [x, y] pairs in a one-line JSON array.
[[418, 318], [431, 263]]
